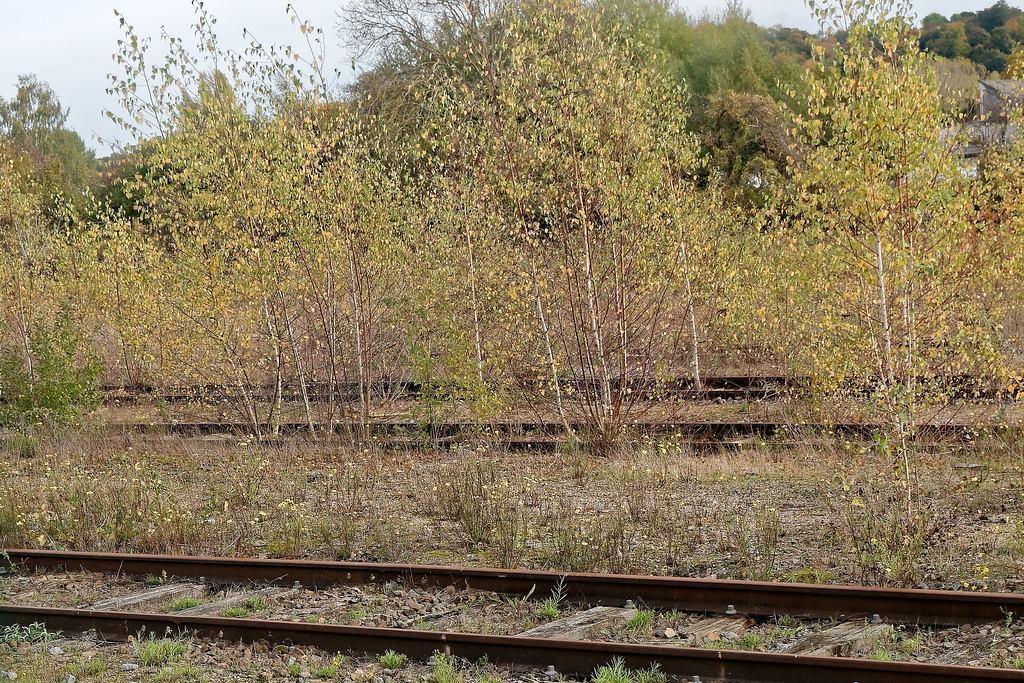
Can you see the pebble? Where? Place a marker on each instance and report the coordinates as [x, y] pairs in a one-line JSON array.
[[70, 679], [129, 666], [9, 675], [55, 651]]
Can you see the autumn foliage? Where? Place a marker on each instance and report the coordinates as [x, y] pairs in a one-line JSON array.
[[514, 208]]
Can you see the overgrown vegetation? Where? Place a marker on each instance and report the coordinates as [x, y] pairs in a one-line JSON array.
[[807, 514], [559, 206], [153, 651], [555, 211]]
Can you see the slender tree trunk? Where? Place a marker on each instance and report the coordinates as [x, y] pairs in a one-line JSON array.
[[275, 407], [364, 401], [547, 342], [693, 317], [883, 311], [476, 309], [619, 267], [23, 323], [332, 347], [298, 364], [240, 381], [595, 330]]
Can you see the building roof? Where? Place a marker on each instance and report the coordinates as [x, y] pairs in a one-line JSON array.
[[1006, 88]]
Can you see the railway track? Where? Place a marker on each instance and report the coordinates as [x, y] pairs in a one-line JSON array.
[[720, 387], [546, 436], [574, 658], [729, 387], [695, 595], [569, 657]]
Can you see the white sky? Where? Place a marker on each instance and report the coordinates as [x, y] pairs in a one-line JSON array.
[[69, 43]]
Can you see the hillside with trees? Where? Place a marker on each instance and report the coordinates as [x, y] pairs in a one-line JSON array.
[[987, 37]]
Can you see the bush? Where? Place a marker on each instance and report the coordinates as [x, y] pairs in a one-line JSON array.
[[57, 383]]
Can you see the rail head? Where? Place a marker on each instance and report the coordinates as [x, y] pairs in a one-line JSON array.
[[757, 598]]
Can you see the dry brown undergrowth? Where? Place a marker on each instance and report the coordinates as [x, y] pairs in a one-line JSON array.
[[806, 514]]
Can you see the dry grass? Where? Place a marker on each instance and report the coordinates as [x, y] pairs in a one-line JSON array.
[[795, 514]]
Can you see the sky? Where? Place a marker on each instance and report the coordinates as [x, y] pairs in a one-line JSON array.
[[69, 43]]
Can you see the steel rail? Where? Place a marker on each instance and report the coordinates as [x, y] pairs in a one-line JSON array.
[[757, 393], [960, 386], [759, 598], [520, 430], [341, 390], [576, 658]]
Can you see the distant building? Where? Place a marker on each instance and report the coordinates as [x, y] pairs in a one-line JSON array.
[[992, 128], [996, 98]]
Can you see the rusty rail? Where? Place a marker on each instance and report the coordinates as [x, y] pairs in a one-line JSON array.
[[688, 430], [576, 658], [926, 607]]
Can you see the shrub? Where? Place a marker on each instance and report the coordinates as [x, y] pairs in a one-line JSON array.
[[54, 381]]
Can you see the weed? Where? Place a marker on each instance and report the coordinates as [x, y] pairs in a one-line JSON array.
[[154, 580], [756, 538], [484, 506], [750, 641], [257, 603], [778, 635], [33, 633], [91, 667], [909, 644], [807, 575], [641, 621], [616, 672], [652, 675], [576, 458], [645, 495], [445, 669], [327, 671], [294, 670], [887, 539], [393, 660], [517, 602], [187, 673], [6, 566], [551, 608], [1015, 663], [235, 612], [153, 651], [787, 620], [182, 603], [21, 445], [902, 641], [881, 653]]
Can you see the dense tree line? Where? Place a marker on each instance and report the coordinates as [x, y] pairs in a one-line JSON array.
[[987, 37], [546, 205]]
